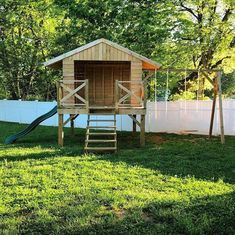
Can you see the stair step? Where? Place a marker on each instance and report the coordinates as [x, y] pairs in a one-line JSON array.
[[100, 141], [102, 133], [110, 128], [100, 127], [92, 120], [100, 148]]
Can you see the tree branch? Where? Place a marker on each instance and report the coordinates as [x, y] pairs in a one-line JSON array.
[[185, 8], [232, 43], [219, 62], [228, 12]]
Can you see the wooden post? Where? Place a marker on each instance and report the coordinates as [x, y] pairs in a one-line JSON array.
[[87, 94], [134, 124], [116, 95], [213, 107], [59, 94], [142, 131], [72, 124], [145, 93], [60, 130], [220, 107]]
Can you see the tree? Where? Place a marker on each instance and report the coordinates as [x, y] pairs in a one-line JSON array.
[[204, 31], [26, 31], [136, 24]]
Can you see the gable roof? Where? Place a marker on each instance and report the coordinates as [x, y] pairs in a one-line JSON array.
[[102, 40]]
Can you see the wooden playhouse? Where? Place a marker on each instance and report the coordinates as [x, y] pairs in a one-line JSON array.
[[101, 78]]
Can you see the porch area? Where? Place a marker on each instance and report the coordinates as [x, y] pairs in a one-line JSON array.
[[123, 97]]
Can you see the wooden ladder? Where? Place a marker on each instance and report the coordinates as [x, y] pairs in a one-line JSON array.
[[101, 137]]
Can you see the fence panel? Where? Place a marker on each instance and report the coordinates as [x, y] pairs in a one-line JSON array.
[[172, 117]]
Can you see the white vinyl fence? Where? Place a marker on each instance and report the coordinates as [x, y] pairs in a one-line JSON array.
[[171, 117]]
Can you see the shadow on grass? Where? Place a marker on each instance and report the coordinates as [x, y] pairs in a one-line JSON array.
[[181, 155], [167, 153], [210, 215]]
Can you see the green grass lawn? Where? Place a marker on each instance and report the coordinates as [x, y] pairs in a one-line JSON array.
[[175, 185]]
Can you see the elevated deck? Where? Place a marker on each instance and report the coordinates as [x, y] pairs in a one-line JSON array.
[[73, 98]]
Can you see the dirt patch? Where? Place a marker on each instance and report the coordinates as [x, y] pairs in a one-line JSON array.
[[156, 139], [121, 213]]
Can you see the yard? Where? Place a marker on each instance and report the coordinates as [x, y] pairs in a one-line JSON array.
[[175, 185]]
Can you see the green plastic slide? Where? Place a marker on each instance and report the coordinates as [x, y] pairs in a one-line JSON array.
[[11, 139]]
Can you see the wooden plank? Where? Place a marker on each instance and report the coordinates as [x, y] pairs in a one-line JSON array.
[[60, 131], [208, 78], [68, 60], [134, 124], [87, 94], [81, 55], [93, 53], [100, 141], [72, 124], [116, 95], [100, 148], [76, 56], [142, 131], [104, 56], [103, 86], [129, 93], [119, 55], [215, 88], [67, 121], [220, 108], [72, 92], [135, 121], [102, 133], [72, 110], [100, 56], [108, 52], [68, 67], [96, 56], [112, 85], [71, 81]]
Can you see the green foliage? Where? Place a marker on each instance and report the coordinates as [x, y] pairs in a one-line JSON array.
[[27, 30], [176, 185], [228, 85], [183, 34]]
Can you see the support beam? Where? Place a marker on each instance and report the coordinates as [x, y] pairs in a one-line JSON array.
[[207, 77], [213, 107], [72, 124], [220, 108], [60, 130], [142, 131], [134, 124], [133, 117]]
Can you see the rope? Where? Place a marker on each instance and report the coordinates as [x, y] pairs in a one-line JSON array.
[[155, 86], [166, 92], [198, 87], [155, 91], [185, 90]]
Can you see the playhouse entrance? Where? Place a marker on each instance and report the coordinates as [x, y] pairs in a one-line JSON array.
[[101, 76]]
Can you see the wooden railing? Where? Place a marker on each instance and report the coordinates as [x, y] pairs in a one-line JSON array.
[[130, 94], [73, 93]]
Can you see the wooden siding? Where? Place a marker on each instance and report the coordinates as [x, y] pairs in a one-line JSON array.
[[68, 74], [102, 79], [136, 74], [102, 76], [104, 52]]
